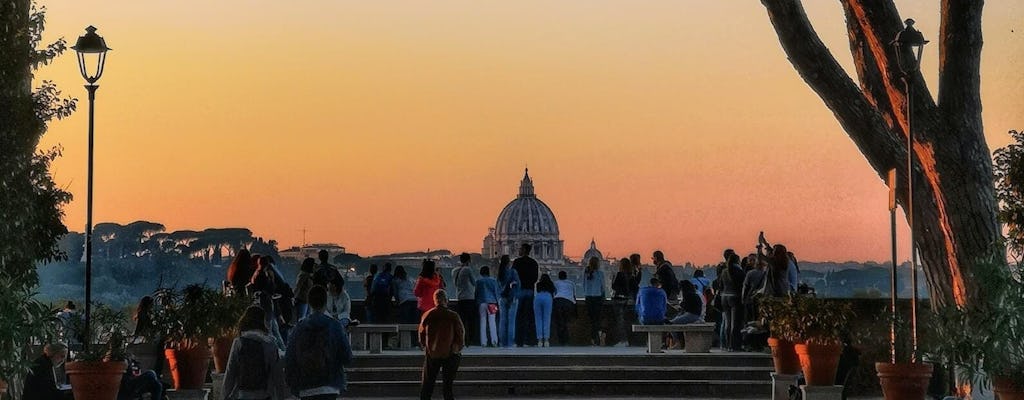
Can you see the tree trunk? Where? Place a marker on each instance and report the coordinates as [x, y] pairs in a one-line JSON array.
[[953, 192]]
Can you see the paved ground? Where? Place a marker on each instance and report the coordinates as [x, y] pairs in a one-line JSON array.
[[570, 350]]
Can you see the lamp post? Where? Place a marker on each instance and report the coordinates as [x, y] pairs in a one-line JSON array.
[[92, 54], [910, 42]]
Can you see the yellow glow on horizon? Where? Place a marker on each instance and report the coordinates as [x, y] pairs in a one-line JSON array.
[[401, 126]]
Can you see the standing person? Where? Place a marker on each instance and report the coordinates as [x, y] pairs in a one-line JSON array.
[[427, 283], [508, 302], [702, 286], [752, 283], [240, 271], [143, 317], [325, 272], [254, 369], [565, 306], [402, 287], [666, 275], [40, 383], [367, 298], [465, 294], [486, 296], [691, 306], [339, 303], [594, 293], [643, 275], [380, 290], [623, 298], [317, 353], [779, 272], [303, 282], [732, 307], [542, 303], [443, 338], [69, 319], [652, 303], [528, 271], [263, 286]]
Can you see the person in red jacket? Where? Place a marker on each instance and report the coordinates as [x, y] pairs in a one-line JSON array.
[[427, 283]]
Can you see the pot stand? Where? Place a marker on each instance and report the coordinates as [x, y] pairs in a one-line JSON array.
[[781, 384], [822, 392]]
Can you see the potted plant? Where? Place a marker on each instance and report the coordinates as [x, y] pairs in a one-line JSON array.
[[187, 320], [819, 328], [23, 320], [779, 315], [984, 343], [902, 379], [227, 311], [95, 372]]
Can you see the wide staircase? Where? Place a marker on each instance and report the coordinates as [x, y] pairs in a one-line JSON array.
[[571, 372]]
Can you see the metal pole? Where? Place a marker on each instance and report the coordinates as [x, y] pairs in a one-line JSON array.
[[892, 284], [910, 219], [88, 225]]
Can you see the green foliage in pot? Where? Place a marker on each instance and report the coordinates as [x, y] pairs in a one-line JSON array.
[[188, 318], [985, 340], [23, 321], [227, 310], [108, 333], [821, 321], [779, 314]]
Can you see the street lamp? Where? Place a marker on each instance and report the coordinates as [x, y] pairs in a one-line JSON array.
[[92, 55], [909, 44]]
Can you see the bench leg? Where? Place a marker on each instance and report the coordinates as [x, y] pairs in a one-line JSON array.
[[358, 340], [698, 342], [376, 342], [654, 342], [405, 340]]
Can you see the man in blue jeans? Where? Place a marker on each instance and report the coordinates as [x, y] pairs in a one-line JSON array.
[[528, 271]]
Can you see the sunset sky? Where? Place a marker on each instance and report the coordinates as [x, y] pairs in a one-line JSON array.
[[397, 126]]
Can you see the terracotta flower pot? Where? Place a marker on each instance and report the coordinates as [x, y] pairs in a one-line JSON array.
[[784, 356], [904, 380], [1006, 389], [95, 380], [221, 351], [189, 367], [819, 362]]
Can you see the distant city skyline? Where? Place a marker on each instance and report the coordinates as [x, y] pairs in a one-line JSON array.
[[666, 125]]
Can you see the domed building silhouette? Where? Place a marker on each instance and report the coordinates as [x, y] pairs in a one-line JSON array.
[[526, 219]]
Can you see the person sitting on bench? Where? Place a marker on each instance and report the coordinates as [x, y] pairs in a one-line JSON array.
[[652, 304]]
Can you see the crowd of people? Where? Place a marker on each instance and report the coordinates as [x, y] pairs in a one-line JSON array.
[[296, 340]]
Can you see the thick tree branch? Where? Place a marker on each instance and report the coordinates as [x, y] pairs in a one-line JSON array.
[[816, 65], [873, 73], [960, 62]]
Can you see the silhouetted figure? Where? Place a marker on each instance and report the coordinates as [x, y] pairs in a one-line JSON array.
[[543, 302], [624, 291], [325, 273], [402, 287], [240, 271], [317, 352], [508, 302], [691, 309], [380, 291], [731, 276], [303, 282], [443, 337], [40, 383], [529, 272], [367, 298], [565, 307], [666, 275], [594, 293], [485, 294], [254, 369]]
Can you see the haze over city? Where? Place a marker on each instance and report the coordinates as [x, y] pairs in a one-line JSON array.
[[392, 127]]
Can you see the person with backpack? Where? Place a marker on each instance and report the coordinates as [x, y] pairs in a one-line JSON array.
[[508, 303], [380, 290], [317, 353], [325, 272], [665, 275], [254, 370]]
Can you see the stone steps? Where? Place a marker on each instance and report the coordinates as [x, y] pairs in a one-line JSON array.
[[630, 373], [562, 388], [572, 372]]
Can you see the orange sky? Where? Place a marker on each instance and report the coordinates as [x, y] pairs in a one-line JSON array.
[[394, 126]]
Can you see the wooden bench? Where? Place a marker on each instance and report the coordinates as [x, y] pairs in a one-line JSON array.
[[375, 333], [698, 336], [407, 335]]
